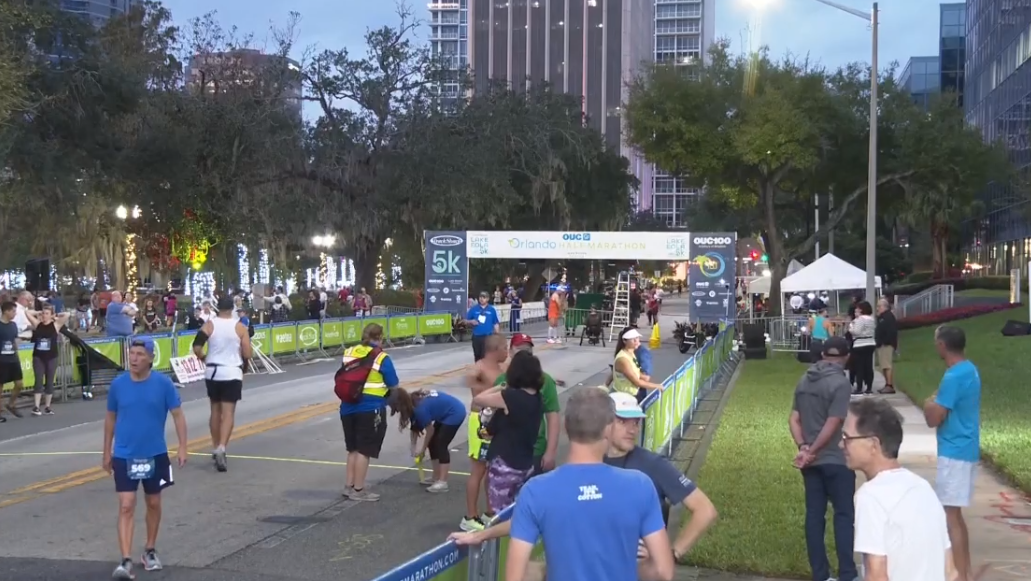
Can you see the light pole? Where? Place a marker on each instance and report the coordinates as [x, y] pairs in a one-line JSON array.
[[323, 243], [871, 186]]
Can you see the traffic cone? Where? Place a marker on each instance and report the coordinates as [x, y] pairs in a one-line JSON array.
[[656, 339]]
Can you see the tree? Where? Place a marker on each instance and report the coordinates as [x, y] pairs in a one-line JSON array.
[[763, 137]]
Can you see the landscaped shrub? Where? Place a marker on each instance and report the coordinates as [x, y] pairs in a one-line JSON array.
[[954, 314], [965, 283]]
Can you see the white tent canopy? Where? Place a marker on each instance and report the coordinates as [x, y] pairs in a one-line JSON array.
[[828, 273], [761, 285]]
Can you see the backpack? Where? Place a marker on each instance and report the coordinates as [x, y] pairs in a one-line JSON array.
[[351, 377]]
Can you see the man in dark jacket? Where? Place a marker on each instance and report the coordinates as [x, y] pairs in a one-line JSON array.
[[817, 415], [887, 337]]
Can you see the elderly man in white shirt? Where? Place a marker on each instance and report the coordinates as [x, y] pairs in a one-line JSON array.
[[21, 317]]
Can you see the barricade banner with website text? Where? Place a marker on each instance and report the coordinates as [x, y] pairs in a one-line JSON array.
[[262, 340], [435, 324], [529, 245], [447, 271], [446, 562], [284, 338], [332, 333], [711, 276], [403, 327], [184, 343]]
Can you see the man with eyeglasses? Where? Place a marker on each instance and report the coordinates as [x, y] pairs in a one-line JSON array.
[[901, 529], [817, 414]]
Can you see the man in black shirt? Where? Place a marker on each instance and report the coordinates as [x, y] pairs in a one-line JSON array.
[[672, 485], [887, 337], [10, 366]]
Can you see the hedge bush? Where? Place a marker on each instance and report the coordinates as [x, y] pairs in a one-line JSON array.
[[979, 282], [954, 314]]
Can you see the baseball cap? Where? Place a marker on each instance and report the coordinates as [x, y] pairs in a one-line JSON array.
[[484, 295], [520, 339], [631, 334], [835, 347], [146, 342], [626, 406]]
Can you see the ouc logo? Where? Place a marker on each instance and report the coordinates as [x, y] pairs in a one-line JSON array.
[[577, 237], [713, 240], [446, 240]]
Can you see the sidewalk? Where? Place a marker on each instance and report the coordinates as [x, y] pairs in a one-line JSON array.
[[999, 519]]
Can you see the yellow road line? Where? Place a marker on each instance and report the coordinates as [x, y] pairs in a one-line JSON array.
[[81, 477], [231, 456]]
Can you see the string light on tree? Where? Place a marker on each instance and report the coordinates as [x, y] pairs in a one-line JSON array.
[[131, 268], [323, 243], [331, 272], [245, 268], [264, 271]]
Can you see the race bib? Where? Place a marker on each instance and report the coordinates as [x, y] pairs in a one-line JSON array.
[[482, 319], [141, 469], [7, 348], [43, 345]]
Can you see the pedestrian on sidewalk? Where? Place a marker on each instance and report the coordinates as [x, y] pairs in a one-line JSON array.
[[900, 524], [817, 414], [887, 339], [954, 410]]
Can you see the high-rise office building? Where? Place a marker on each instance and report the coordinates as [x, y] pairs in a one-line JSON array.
[[96, 11], [221, 72], [449, 42], [952, 39], [997, 99], [684, 31], [921, 78]]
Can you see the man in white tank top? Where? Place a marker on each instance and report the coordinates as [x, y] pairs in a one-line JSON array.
[[228, 353]]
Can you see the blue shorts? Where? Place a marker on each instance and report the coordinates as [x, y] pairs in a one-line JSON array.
[[161, 479]]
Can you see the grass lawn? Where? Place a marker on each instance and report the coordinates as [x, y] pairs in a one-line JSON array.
[[1005, 366], [748, 472], [749, 476], [984, 293]]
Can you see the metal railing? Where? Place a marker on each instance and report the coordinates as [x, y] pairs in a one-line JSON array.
[[790, 333], [930, 300], [666, 413]]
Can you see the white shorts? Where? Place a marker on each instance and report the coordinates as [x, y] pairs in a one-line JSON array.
[[954, 482]]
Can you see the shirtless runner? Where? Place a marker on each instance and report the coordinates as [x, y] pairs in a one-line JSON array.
[[482, 377]]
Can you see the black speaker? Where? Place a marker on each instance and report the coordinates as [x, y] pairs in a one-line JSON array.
[[37, 275], [754, 336], [755, 352], [1016, 329]]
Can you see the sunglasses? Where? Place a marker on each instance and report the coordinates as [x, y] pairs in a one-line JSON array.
[[847, 438]]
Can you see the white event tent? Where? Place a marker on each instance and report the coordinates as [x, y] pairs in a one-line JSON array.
[[828, 273]]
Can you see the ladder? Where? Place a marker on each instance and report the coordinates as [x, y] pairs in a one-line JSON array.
[[620, 306]]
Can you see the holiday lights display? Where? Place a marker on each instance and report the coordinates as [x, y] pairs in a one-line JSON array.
[[264, 271], [131, 267], [323, 269], [331, 273], [244, 265]]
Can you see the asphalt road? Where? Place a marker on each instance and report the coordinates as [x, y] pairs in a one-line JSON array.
[[277, 514]]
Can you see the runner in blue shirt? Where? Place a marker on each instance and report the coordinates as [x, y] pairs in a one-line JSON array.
[[135, 450], [435, 420], [485, 322]]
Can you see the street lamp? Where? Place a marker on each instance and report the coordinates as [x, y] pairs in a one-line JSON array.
[[871, 187], [323, 243]]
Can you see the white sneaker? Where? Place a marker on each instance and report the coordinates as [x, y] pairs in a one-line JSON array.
[[439, 486], [551, 341]]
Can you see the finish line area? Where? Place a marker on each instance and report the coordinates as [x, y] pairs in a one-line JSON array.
[[277, 514]]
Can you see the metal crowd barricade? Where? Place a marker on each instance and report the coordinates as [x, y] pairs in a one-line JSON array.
[[281, 342], [667, 411]]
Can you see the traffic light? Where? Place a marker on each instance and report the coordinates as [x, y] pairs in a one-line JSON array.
[[755, 255], [765, 258]]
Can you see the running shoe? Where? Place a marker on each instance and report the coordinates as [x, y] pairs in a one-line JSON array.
[[48, 412], [221, 464], [3, 420], [14, 411], [363, 495], [150, 560], [471, 524], [124, 570], [438, 487], [36, 412], [348, 491]]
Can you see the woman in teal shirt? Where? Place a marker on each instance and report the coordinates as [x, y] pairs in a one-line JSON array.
[[820, 329]]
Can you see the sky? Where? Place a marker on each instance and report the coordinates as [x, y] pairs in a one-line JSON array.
[[799, 27]]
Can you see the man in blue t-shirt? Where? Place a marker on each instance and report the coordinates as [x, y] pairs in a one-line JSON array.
[[135, 450], [119, 316], [955, 411], [485, 322], [589, 515]]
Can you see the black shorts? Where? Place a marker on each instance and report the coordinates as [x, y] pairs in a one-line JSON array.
[[10, 372], [364, 432], [439, 445], [230, 391], [161, 479], [479, 347]]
